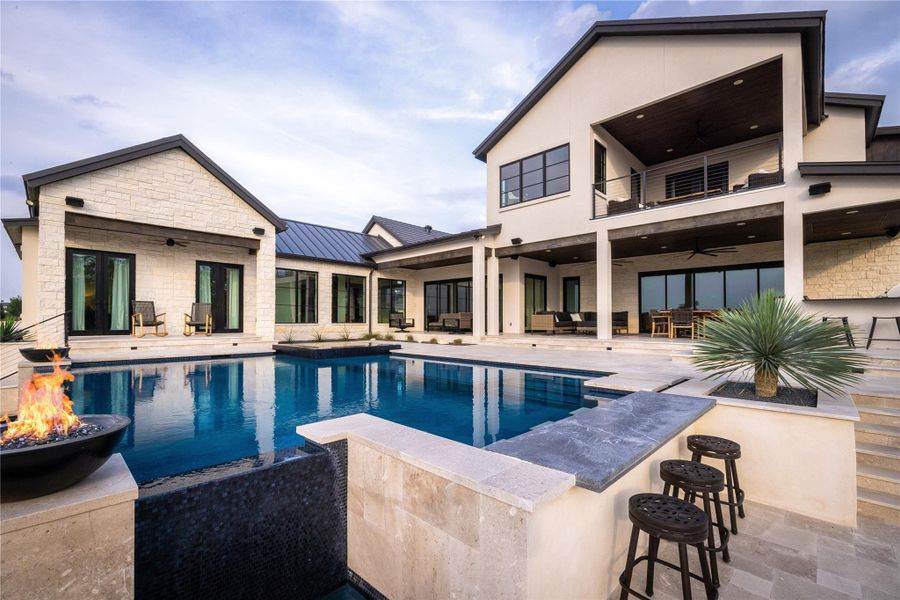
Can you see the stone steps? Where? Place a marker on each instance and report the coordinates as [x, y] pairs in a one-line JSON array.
[[567, 342], [883, 371], [883, 358], [879, 504], [880, 415], [881, 435], [877, 456], [878, 399], [877, 480]]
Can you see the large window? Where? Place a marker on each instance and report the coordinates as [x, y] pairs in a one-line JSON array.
[[348, 299], [534, 177], [391, 298], [447, 297], [572, 294], [295, 296], [709, 288], [600, 166]]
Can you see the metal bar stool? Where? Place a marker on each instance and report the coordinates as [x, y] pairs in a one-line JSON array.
[[674, 520], [711, 446], [696, 479], [872, 331], [847, 333]]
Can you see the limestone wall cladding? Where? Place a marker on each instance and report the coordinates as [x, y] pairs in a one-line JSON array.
[[861, 268], [169, 189], [587, 273]]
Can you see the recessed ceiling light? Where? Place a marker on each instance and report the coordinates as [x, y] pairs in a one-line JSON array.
[[852, 212], [846, 233], [574, 258], [754, 126], [640, 116], [738, 81], [742, 223], [547, 250], [669, 149], [663, 247], [643, 237], [750, 237]]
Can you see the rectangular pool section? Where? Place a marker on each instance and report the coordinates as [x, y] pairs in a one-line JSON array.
[[194, 414]]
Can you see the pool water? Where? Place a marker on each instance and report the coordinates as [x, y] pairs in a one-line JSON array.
[[189, 415]]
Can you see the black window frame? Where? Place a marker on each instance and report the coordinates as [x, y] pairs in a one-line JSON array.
[[452, 297], [690, 283], [385, 312], [565, 289], [358, 316], [504, 194], [599, 167], [297, 313]]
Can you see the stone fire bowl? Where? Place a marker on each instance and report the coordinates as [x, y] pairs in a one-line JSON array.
[[42, 355], [39, 470]]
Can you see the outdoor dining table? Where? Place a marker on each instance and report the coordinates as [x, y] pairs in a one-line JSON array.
[[698, 313]]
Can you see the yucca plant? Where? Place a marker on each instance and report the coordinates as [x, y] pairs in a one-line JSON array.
[[11, 331], [777, 341]]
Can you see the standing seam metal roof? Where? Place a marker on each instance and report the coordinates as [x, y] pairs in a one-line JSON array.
[[327, 243], [406, 233]]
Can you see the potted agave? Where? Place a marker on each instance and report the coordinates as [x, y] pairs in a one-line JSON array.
[[781, 346]]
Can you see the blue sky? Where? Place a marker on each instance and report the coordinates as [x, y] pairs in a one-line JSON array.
[[328, 112]]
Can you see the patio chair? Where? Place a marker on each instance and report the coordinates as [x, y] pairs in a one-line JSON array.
[[682, 318], [464, 322], [143, 314], [399, 321], [201, 316], [620, 321], [659, 323]]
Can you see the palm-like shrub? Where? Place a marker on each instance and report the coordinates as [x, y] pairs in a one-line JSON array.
[[776, 340], [11, 331]]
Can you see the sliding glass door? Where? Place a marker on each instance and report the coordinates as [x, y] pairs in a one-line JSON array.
[[221, 285], [99, 291], [535, 297], [449, 296]]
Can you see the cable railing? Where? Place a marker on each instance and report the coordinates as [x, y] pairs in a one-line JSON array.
[[46, 333], [717, 173]]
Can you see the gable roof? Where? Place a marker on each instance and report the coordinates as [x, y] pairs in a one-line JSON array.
[[319, 242], [34, 181], [406, 233], [810, 25], [871, 103]]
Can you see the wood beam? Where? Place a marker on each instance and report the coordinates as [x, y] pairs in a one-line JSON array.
[[686, 224], [566, 242], [148, 229]]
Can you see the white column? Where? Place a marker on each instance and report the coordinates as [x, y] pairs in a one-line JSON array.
[[793, 251], [604, 286], [478, 289], [493, 294]]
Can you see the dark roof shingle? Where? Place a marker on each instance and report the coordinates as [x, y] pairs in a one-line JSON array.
[[327, 243]]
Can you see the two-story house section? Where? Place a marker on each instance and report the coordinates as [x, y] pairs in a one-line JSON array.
[[691, 163]]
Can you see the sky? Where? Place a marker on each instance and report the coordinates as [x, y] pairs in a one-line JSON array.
[[329, 112]]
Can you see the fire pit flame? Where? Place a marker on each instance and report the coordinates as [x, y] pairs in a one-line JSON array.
[[44, 409]]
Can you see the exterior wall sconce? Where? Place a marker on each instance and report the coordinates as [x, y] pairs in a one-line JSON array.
[[73, 201], [516, 241], [819, 189], [259, 231]]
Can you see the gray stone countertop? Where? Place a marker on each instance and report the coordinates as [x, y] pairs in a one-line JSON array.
[[601, 444]]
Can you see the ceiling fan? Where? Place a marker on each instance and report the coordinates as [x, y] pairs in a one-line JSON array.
[[620, 262], [171, 242], [709, 251]]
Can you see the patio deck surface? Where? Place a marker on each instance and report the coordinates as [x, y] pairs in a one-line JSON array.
[[785, 556]]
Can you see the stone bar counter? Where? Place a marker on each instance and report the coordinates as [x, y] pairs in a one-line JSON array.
[[601, 444]]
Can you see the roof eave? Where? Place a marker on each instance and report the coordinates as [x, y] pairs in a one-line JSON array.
[[849, 168], [333, 261], [870, 103], [489, 230], [809, 22], [13, 227]]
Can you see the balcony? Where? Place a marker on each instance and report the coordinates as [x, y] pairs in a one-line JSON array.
[[718, 173]]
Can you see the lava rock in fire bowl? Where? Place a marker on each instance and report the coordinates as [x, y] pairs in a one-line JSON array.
[[43, 355], [40, 468]]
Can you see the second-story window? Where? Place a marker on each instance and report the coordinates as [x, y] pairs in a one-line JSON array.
[[535, 177]]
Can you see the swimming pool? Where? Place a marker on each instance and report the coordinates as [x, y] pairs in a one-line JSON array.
[[194, 414]]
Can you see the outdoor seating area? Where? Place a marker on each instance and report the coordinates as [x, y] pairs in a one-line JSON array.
[[451, 322], [563, 322], [684, 320], [144, 315], [399, 322]]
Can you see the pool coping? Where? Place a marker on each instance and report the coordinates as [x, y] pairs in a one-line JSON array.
[[590, 374]]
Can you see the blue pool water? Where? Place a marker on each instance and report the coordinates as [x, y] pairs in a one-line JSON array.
[[188, 415]]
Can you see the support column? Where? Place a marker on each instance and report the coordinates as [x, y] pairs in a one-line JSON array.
[[478, 289], [493, 294], [604, 286], [793, 251]]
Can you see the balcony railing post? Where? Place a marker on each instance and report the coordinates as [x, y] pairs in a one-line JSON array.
[[780, 160], [643, 188], [705, 175]]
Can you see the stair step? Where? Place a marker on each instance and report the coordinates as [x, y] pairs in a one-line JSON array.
[[877, 479], [881, 415], [877, 456], [879, 504], [890, 399], [882, 435], [883, 371], [886, 358]]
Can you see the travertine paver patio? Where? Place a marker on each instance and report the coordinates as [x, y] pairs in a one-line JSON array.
[[785, 556]]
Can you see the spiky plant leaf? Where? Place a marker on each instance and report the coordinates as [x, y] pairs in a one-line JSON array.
[[11, 331], [775, 336]]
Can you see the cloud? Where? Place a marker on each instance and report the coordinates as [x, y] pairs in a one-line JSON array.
[[862, 72], [91, 100], [8, 77], [576, 21]]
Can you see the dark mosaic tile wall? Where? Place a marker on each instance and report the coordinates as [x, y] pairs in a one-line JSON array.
[[272, 526]]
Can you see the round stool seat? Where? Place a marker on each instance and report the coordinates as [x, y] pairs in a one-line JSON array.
[[692, 476], [668, 518], [714, 447]]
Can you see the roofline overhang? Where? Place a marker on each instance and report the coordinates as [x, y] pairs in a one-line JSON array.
[[472, 233], [331, 261], [810, 24], [867, 168], [34, 181], [13, 227], [870, 103], [889, 130]]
